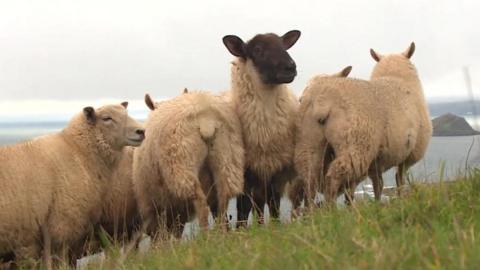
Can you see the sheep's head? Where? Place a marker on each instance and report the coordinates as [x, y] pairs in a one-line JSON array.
[[397, 64], [114, 127], [268, 53]]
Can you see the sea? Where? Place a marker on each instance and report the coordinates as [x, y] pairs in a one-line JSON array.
[[447, 158]]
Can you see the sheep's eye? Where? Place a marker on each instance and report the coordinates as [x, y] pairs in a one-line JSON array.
[[322, 121], [107, 119]]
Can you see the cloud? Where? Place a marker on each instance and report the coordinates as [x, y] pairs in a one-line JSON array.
[[77, 50]]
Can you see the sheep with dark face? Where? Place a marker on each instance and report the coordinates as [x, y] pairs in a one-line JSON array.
[[267, 111]]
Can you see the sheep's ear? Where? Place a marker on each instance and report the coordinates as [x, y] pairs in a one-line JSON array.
[[235, 45], [124, 104], [345, 71], [409, 52], [149, 102], [89, 113], [185, 90], [376, 56], [290, 38]]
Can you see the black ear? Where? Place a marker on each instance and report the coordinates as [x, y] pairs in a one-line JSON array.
[[149, 102], [185, 90], [290, 38], [346, 71], [124, 104], [375, 55], [409, 52], [89, 113], [235, 45]]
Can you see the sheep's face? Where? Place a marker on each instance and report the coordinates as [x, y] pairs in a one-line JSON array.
[[268, 53], [114, 127]]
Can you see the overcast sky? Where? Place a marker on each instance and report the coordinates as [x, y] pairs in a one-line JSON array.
[[92, 50]]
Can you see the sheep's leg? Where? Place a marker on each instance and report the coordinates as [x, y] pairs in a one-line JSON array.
[[310, 164], [259, 199], [277, 189], [226, 163], [244, 206], [148, 216], [296, 192], [350, 193], [347, 167], [47, 247], [245, 201], [176, 219], [201, 207], [400, 177], [311, 188], [27, 255], [377, 181], [273, 201]]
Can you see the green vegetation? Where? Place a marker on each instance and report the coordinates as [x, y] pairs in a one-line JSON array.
[[435, 226]]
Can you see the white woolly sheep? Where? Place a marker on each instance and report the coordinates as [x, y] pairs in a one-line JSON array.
[[371, 126], [397, 77], [52, 186], [192, 158]]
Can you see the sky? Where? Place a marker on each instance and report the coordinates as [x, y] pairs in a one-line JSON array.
[[58, 56]]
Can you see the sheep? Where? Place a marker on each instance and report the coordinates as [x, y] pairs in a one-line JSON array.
[[120, 216], [192, 160], [370, 126], [52, 186], [312, 153], [267, 111], [395, 73]]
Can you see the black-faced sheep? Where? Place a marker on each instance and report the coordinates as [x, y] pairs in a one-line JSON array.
[[267, 111]]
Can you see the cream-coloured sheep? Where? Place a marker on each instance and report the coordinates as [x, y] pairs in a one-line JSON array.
[[192, 158], [312, 152], [395, 74], [370, 126], [267, 111], [120, 213], [52, 186]]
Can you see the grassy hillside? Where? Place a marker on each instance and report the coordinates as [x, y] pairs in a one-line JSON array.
[[435, 226]]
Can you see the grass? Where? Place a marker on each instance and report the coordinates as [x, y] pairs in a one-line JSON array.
[[437, 226]]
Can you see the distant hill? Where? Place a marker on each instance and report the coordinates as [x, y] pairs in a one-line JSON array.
[[456, 107], [452, 125]]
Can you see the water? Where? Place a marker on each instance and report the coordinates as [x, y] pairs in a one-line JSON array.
[[450, 153], [446, 157]]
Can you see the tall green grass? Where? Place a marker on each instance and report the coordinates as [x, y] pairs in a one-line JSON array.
[[434, 226]]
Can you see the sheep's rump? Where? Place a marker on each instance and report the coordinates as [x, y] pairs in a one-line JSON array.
[[193, 142]]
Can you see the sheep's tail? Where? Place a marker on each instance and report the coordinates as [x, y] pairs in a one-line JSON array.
[[208, 127]]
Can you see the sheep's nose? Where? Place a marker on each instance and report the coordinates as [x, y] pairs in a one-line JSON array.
[[291, 67], [140, 132]]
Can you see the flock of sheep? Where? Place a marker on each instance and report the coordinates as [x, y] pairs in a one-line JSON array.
[[195, 152]]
